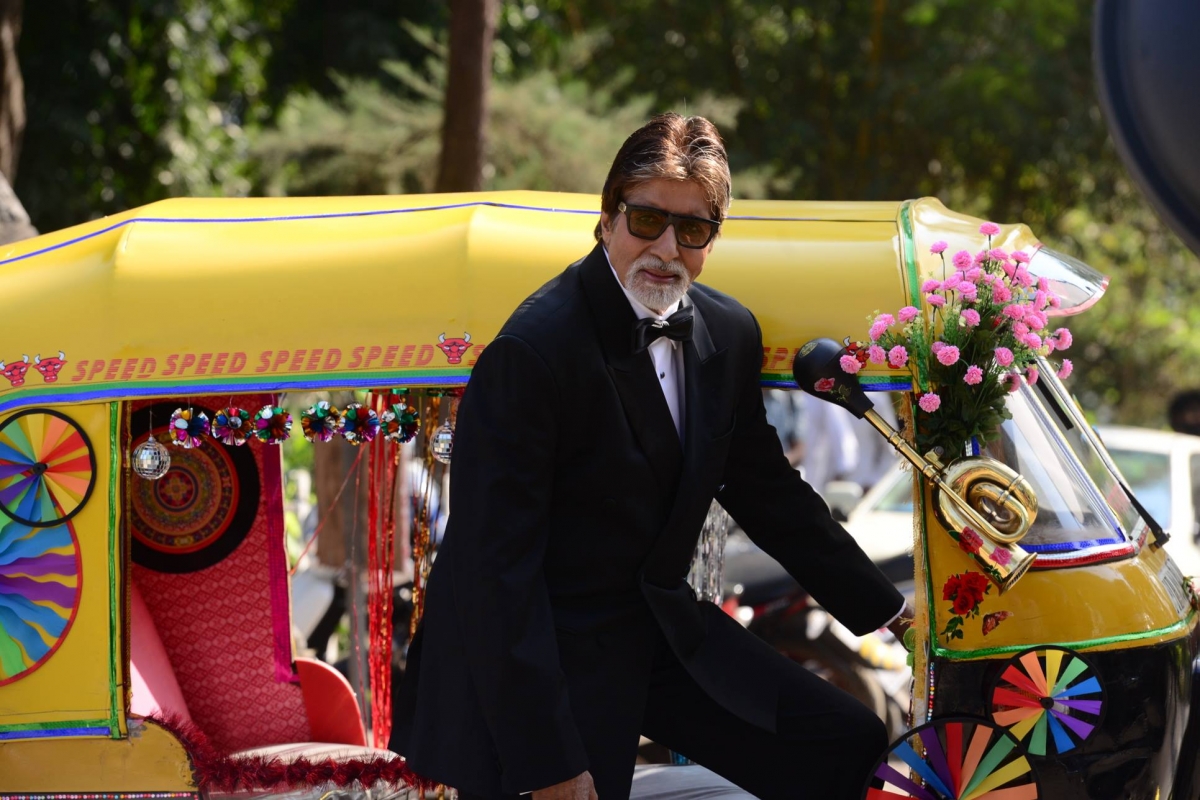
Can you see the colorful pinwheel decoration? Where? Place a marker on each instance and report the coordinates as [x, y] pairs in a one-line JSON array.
[[272, 424], [188, 428], [401, 423], [359, 424], [233, 426], [39, 592], [321, 422], [47, 468], [954, 758], [1050, 698]]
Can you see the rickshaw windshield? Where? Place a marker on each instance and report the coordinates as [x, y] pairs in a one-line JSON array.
[[1082, 510]]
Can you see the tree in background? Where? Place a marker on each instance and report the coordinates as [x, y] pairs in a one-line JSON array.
[[464, 115], [14, 222]]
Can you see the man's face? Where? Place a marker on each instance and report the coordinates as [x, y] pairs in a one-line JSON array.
[[657, 272]]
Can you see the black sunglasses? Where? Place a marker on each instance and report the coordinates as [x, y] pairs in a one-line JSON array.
[[647, 222]]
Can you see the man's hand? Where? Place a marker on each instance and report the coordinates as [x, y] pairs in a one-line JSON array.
[[902, 623], [578, 788]]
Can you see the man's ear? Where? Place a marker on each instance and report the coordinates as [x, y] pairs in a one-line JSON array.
[[605, 226]]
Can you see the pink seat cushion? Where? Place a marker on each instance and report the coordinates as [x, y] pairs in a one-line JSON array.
[[153, 688]]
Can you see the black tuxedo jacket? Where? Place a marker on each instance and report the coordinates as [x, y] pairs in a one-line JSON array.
[[575, 514]]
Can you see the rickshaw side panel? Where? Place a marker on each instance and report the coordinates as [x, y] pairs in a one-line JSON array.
[[77, 688]]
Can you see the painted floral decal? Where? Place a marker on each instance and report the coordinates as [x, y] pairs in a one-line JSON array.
[[965, 591]]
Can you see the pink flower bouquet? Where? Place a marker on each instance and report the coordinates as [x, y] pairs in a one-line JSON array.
[[979, 331]]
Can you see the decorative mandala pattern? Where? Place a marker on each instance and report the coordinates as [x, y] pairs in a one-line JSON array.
[[954, 758], [47, 468], [1050, 698], [197, 513], [39, 593]]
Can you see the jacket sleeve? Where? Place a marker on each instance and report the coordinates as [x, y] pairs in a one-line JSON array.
[[501, 482], [791, 522]]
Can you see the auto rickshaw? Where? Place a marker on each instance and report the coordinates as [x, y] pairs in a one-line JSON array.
[[145, 640]]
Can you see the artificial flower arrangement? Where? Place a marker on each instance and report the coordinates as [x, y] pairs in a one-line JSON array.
[[978, 334]]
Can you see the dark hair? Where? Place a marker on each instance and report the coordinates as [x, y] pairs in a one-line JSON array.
[[676, 148], [1184, 412]]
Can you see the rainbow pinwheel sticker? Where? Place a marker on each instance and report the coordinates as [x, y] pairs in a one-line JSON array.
[[954, 758], [47, 468], [1050, 698]]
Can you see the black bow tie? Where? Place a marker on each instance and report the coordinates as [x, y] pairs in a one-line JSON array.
[[678, 326]]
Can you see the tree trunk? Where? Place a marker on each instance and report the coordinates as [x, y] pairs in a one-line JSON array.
[[12, 89], [472, 28]]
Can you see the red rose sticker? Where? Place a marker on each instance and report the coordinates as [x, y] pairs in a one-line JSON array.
[[826, 385], [965, 591]]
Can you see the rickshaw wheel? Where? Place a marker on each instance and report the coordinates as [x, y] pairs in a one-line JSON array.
[[1050, 698], [953, 758]]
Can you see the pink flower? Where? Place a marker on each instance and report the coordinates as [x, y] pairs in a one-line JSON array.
[[1040, 299], [936, 347], [849, 364], [989, 229], [877, 329], [938, 247], [897, 356], [1020, 329], [974, 376], [1064, 338], [1031, 374], [825, 385], [996, 254], [980, 257], [1013, 380], [1032, 341], [988, 278], [1023, 277], [1065, 370], [948, 355], [973, 274], [931, 285], [1044, 284], [935, 300], [970, 317], [1050, 344], [1014, 311], [908, 314], [1001, 293], [1001, 557], [1004, 356], [1021, 256], [1035, 319], [1008, 267], [876, 354], [962, 259], [886, 319], [1055, 301], [929, 402]]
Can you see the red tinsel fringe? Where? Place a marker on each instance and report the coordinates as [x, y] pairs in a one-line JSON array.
[[216, 771]]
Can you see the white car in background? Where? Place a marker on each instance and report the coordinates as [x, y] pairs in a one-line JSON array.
[[1161, 468]]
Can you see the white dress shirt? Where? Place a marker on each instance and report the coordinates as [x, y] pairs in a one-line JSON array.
[[666, 354]]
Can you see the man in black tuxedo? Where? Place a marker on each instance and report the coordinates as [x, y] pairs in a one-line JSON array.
[[597, 428]]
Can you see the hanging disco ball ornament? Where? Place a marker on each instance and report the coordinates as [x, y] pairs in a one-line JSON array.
[[320, 422], [272, 424], [401, 423], [441, 444], [188, 427], [232, 425], [151, 460], [359, 424]]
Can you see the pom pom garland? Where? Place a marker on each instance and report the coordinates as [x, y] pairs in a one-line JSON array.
[[359, 424], [320, 422], [232, 426], [272, 424], [187, 427], [401, 423]]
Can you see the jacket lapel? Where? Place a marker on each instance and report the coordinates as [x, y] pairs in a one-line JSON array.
[[632, 374]]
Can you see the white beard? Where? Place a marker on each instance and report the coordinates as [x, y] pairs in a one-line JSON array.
[[657, 296]]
